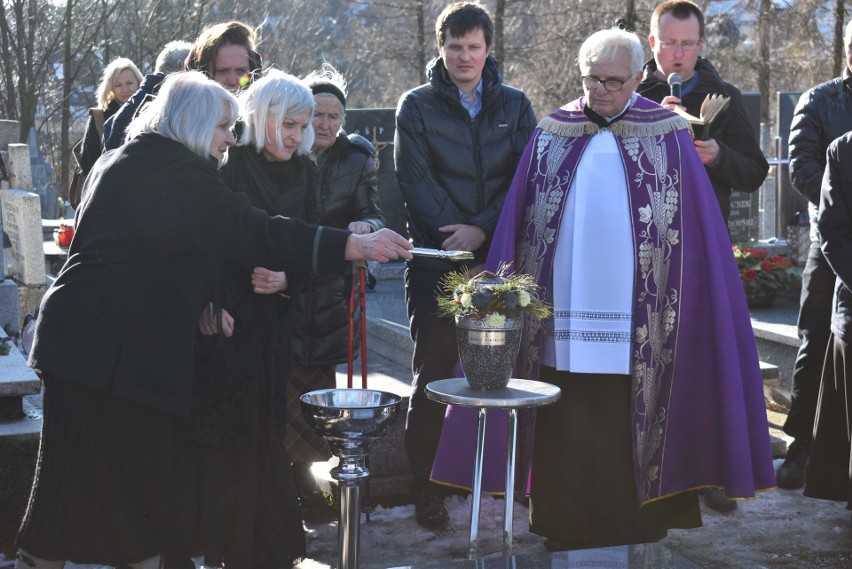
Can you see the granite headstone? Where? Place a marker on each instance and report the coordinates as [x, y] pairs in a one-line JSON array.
[[41, 174], [789, 202], [18, 167], [22, 223], [744, 221], [9, 133]]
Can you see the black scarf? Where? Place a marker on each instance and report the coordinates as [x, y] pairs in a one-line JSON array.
[[279, 188]]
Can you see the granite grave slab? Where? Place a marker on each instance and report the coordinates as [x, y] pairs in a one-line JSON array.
[[22, 223]]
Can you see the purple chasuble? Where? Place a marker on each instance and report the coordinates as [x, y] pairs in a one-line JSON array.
[[698, 413]]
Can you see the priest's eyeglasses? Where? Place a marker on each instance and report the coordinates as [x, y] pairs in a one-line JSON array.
[[673, 45], [612, 85]]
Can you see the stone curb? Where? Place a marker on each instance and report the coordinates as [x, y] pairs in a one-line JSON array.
[[390, 339]]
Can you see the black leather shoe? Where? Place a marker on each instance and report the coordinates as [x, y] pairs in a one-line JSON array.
[[791, 474], [715, 499], [429, 510]]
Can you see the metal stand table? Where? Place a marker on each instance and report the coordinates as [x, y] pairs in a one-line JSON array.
[[520, 393]]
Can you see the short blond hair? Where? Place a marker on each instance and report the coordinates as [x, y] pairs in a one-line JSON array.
[[113, 70]]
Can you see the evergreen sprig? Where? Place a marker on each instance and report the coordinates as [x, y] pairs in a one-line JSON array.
[[491, 296]]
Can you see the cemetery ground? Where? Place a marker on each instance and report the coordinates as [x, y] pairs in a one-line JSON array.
[[778, 529]]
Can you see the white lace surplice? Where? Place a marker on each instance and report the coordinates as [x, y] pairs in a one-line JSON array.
[[593, 269]]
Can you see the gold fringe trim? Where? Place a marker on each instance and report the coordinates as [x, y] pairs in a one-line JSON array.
[[624, 128], [568, 129], [707, 487], [468, 488], [652, 500]]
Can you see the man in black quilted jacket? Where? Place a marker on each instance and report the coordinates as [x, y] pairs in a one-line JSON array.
[[823, 113], [731, 154], [458, 140], [729, 151]]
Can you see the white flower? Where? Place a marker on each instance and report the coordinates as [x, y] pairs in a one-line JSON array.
[[495, 319], [524, 298], [466, 299]]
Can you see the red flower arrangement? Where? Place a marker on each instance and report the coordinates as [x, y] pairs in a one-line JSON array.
[[761, 273]]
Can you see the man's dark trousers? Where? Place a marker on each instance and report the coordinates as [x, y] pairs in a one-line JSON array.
[[435, 357], [814, 322]]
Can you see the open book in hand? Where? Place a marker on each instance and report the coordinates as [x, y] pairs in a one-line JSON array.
[[711, 108]]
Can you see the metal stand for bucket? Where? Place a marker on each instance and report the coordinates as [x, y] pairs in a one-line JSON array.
[[349, 419]]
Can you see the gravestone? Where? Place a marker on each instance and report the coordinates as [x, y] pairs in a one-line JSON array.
[[41, 173], [9, 133], [9, 300], [379, 126], [19, 434], [744, 221], [789, 201], [4, 176], [18, 166], [22, 223]]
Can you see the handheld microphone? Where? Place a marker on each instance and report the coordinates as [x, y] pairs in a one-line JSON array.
[[675, 83]]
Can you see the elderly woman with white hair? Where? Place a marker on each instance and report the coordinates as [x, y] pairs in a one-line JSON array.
[[345, 196], [115, 335], [120, 80], [235, 462]]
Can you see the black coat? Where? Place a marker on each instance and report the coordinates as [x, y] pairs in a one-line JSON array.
[[835, 229], [155, 223], [741, 165], [92, 141], [241, 380], [347, 191], [822, 114], [454, 169], [115, 127]]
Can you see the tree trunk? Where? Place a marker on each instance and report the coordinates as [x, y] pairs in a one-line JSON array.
[[421, 41], [6, 58], [839, 43], [763, 35], [497, 43], [64, 142], [630, 16]]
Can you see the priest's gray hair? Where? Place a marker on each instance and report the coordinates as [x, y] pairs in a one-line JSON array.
[[612, 46], [187, 109], [277, 95]]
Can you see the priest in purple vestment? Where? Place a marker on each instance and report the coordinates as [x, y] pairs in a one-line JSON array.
[[613, 214]]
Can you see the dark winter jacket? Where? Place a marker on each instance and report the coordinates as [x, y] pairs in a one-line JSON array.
[[741, 165], [822, 114], [347, 191], [155, 223], [835, 229], [115, 127], [455, 169], [92, 141]]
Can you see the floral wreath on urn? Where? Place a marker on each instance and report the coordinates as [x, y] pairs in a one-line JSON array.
[[760, 273], [491, 297]]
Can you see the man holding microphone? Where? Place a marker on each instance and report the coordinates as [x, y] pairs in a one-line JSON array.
[[732, 156], [678, 75]]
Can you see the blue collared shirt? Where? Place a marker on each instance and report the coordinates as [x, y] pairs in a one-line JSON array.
[[472, 107]]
